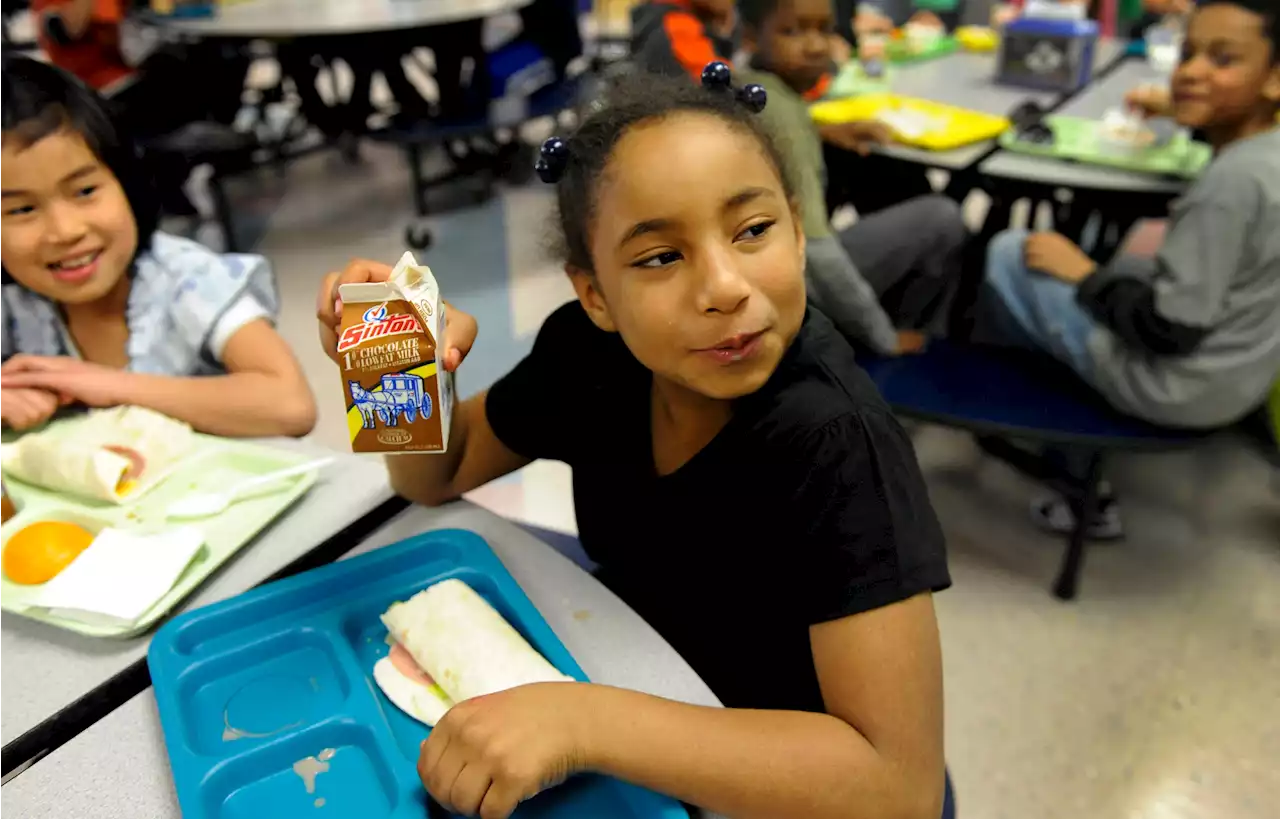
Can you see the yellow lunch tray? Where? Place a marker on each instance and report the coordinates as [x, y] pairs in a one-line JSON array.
[[962, 126]]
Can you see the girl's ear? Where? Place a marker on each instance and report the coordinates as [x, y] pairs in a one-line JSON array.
[[592, 300]]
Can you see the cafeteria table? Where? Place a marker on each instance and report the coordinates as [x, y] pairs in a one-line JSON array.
[[1092, 103], [118, 768], [55, 681], [967, 80], [288, 19]]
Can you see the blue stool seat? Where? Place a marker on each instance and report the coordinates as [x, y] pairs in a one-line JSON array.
[[995, 391], [1004, 394]]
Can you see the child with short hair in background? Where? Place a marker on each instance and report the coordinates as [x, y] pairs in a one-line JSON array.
[[890, 276], [102, 310]]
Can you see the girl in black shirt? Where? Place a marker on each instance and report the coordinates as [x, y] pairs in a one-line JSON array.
[[735, 474]]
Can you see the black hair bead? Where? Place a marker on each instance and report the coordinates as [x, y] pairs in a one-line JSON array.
[[753, 96], [716, 75], [554, 147], [553, 156]]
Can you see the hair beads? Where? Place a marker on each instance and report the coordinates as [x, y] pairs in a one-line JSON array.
[[553, 156]]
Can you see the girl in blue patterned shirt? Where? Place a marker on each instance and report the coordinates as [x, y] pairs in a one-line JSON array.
[[101, 310]]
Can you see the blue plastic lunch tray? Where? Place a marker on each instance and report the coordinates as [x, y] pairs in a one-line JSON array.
[[270, 711]]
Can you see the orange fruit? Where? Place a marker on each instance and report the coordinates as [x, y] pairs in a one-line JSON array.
[[35, 553]]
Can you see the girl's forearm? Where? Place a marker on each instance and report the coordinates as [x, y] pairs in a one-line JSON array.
[[237, 405], [746, 764]]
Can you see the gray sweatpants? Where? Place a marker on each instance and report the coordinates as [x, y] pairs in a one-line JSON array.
[[911, 255]]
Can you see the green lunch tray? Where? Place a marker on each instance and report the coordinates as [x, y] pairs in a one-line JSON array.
[[1076, 139], [852, 81], [212, 465], [900, 52]]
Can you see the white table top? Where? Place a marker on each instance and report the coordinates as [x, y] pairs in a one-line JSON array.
[[308, 18], [118, 768], [46, 668], [967, 80], [1092, 103]]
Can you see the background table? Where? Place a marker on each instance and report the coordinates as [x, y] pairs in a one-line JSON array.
[[967, 80], [284, 19], [47, 669], [118, 768], [1092, 103]]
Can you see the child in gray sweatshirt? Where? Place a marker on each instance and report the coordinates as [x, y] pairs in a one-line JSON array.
[[1191, 337]]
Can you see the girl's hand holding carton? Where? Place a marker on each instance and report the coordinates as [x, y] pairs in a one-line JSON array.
[[383, 330], [459, 331]]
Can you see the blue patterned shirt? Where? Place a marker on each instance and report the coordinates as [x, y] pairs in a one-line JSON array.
[[185, 302]]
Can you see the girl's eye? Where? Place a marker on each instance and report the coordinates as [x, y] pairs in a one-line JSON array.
[[756, 231], [1223, 60], [21, 210], [657, 260], [87, 190]]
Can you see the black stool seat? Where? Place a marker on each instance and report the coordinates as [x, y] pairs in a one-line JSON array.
[[221, 147], [205, 142]]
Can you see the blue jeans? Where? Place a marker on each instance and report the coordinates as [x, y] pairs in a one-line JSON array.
[[1043, 309]]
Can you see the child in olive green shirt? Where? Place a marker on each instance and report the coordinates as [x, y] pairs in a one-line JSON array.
[[893, 270]]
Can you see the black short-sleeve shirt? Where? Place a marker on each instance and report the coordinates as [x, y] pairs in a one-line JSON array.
[[807, 507]]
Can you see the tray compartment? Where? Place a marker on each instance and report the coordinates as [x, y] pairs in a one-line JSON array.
[[333, 769], [284, 682]]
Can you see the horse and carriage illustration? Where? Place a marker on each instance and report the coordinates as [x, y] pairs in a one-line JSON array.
[[400, 394]]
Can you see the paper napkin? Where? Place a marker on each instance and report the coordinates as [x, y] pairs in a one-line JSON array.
[[121, 575]]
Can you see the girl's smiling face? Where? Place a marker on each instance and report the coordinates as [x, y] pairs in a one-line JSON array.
[[68, 231], [699, 258]]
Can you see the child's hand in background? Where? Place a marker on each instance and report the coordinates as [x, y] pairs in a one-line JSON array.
[[841, 51], [860, 136], [490, 753], [23, 409], [869, 20], [459, 330], [1058, 256], [1150, 100], [70, 379]]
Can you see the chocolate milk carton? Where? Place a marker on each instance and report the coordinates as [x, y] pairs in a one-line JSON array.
[[398, 395]]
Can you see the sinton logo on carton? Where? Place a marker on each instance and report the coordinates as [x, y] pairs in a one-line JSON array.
[[377, 324]]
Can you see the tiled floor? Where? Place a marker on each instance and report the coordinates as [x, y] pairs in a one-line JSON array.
[[1155, 696]]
